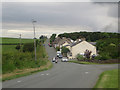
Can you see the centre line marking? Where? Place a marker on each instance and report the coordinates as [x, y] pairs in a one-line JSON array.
[[42, 74], [47, 74], [86, 72], [18, 81]]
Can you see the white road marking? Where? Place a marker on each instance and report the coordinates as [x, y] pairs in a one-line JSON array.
[[86, 72], [47, 74], [18, 81], [42, 74]]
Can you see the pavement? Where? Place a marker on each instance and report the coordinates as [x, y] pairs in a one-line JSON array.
[[62, 75]]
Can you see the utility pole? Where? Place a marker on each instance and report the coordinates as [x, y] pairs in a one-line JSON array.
[[20, 42], [33, 22]]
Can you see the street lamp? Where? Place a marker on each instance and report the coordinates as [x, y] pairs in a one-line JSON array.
[[33, 22]]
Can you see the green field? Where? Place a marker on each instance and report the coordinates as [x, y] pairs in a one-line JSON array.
[[15, 40], [108, 79], [8, 48]]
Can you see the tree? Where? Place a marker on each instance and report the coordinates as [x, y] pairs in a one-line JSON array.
[[52, 38], [65, 51], [41, 37]]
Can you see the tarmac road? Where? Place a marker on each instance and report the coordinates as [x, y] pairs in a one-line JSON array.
[[62, 75]]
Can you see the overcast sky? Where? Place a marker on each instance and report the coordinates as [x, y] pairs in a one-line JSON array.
[[58, 18]]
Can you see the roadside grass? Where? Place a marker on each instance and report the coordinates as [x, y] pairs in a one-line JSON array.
[[20, 73], [81, 62], [108, 79]]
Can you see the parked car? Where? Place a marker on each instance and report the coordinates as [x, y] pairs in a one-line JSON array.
[[60, 56], [58, 53], [53, 60], [56, 61], [64, 59]]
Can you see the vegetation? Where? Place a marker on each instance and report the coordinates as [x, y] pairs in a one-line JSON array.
[[13, 60], [18, 47], [15, 41], [28, 47], [108, 49], [42, 38], [80, 57], [57, 48], [108, 79], [9, 48], [19, 60], [52, 38], [82, 62], [65, 51], [90, 36], [19, 73]]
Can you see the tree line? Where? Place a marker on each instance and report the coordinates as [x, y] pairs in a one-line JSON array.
[[90, 36]]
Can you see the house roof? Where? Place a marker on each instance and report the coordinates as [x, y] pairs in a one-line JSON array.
[[93, 43], [75, 43], [60, 41]]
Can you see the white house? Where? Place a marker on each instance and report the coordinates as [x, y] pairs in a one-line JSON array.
[[80, 47]]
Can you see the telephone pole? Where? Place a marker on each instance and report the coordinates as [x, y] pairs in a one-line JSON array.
[[33, 22]]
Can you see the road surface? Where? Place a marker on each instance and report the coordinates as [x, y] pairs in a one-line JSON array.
[[62, 75]]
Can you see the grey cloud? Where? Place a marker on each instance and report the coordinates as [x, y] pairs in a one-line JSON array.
[[105, 0], [92, 15]]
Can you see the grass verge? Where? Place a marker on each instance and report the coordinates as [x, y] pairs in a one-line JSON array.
[[25, 72], [108, 79], [81, 62]]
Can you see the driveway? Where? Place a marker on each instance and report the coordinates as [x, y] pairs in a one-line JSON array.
[[62, 75]]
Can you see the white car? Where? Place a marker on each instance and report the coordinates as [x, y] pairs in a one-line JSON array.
[[53, 60], [64, 59]]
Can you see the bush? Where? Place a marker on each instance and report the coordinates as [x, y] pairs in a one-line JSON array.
[[79, 57], [18, 47], [103, 56], [28, 47], [57, 48], [12, 61]]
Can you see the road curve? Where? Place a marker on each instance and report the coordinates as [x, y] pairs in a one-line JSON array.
[[62, 75]]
